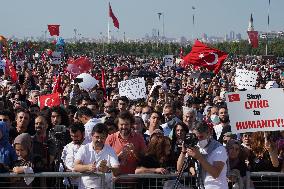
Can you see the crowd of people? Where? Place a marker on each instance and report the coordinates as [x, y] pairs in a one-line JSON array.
[[100, 131]]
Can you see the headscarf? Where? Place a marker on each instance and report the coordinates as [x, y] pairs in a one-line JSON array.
[[25, 140]]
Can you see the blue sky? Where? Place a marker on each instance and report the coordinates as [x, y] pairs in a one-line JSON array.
[[138, 17]]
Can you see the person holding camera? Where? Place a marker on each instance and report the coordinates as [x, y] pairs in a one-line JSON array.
[[211, 156]]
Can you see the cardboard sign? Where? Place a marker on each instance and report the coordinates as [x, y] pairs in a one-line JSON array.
[[256, 110], [245, 79], [56, 58], [169, 60], [133, 88]]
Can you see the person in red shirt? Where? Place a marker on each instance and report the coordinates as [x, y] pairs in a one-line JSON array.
[[127, 144]]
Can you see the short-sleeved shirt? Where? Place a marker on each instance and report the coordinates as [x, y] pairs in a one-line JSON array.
[[87, 155], [88, 129], [219, 154], [117, 143]]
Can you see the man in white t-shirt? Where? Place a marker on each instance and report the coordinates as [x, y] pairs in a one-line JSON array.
[[212, 157], [85, 115], [96, 157]]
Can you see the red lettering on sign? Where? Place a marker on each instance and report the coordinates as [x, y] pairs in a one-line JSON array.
[[256, 104]]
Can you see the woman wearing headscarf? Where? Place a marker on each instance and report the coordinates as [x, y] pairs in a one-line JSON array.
[[24, 164]]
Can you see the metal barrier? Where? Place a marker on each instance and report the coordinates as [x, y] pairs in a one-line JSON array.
[[265, 180], [13, 180], [153, 181]]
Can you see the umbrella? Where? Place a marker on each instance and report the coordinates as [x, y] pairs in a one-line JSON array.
[[120, 69], [144, 73]]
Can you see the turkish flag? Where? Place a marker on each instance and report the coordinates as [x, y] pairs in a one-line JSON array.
[[11, 71], [49, 100], [234, 98], [53, 29], [78, 66], [103, 82], [114, 19], [57, 87], [253, 38], [203, 56], [181, 53]]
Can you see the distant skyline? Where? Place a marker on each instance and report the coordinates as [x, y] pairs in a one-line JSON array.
[[137, 18]]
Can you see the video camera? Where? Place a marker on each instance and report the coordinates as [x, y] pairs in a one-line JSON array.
[[190, 140], [58, 134]]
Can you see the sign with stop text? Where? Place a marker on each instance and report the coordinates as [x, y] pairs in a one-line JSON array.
[[256, 110]]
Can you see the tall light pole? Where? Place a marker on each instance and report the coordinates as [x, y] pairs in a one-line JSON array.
[[75, 34], [159, 16]]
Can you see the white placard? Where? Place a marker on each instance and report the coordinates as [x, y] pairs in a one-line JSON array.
[[256, 110], [169, 60], [19, 64], [133, 88], [56, 58], [88, 82], [245, 79]]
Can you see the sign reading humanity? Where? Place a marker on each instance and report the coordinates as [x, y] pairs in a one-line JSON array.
[[256, 110], [133, 88]]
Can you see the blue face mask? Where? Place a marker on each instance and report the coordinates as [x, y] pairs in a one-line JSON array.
[[215, 119]]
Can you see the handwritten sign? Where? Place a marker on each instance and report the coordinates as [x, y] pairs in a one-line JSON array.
[[133, 88], [256, 110], [56, 58], [245, 79], [169, 60]]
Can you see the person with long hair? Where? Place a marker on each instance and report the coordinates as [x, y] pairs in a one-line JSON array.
[[264, 155], [157, 157], [179, 132]]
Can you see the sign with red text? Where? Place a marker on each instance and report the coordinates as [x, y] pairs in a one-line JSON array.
[[256, 110]]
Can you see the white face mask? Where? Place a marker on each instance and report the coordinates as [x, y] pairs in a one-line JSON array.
[[138, 114], [215, 119], [202, 143]]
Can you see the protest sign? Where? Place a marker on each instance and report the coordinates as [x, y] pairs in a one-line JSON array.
[[56, 58], [256, 110], [87, 82], [245, 79], [169, 60], [133, 88]]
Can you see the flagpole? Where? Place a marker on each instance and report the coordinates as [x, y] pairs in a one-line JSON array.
[[108, 33], [266, 46]]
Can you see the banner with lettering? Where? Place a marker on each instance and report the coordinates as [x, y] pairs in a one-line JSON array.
[[256, 110], [133, 88]]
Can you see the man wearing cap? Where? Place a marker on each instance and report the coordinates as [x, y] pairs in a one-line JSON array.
[[212, 157]]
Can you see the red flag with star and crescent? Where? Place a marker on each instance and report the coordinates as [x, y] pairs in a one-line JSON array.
[[253, 38], [202, 55], [49, 100], [53, 29]]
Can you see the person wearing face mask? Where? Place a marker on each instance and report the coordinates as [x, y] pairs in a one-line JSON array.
[[211, 156], [77, 133]]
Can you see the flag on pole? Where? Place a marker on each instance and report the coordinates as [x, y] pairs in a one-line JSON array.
[[203, 56], [181, 53], [114, 19], [103, 83], [253, 38], [53, 29], [58, 85], [11, 71]]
